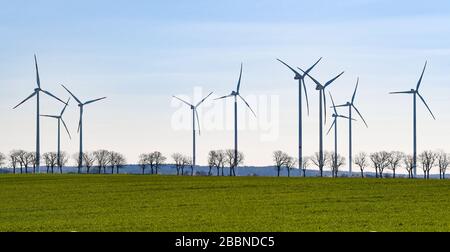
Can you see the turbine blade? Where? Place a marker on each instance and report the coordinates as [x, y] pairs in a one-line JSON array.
[[332, 80], [187, 103], [317, 62], [334, 106], [342, 105], [33, 94], [67, 130], [76, 99], [423, 100], [354, 92], [198, 104], [51, 116], [306, 94], [324, 105], [421, 76], [334, 122], [315, 81], [95, 100], [357, 111], [198, 121], [346, 117], [239, 82], [38, 80], [292, 69], [223, 97], [65, 106], [50, 94], [246, 103], [79, 125], [402, 92]]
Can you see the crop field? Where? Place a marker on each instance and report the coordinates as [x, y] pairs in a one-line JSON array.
[[175, 203]]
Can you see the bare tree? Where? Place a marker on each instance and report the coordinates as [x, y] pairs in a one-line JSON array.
[[335, 163], [212, 161], [427, 159], [63, 159], [361, 161], [88, 160], [14, 160], [221, 160], [306, 161], [316, 160], [47, 160], [2, 159], [280, 159], [31, 156], [230, 159], [158, 160], [178, 159], [187, 161], [101, 156], [116, 160], [380, 161], [290, 164], [21, 158], [408, 161], [394, 159], [443, 162]]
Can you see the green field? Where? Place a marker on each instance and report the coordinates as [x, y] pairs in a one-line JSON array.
[[171, 203]]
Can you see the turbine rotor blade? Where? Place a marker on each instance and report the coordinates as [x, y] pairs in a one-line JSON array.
[[67, 130], [346, 117], [33, 94], [223, 97], [334, 122], [324, 105], [65, 106], [50, 94], [315, 81], [51, 116], [246, 103], [185, 102], [423, 100], [334, 106], [317, 62], [76, 99], [306, 94], [342, 105], [95, 100], [198, 121], [38, 80], [239, 82], [292, 69], [357, 111], [332, 80], [421, 76], [198, 104], [402, 92], [354, 92]]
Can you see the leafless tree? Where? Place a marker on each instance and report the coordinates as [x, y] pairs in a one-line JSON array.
[[2, 159], [361, 160], [395, 158], [380, 161], [116, 160], [280, 159], [178, 159], [31, 156], [443, 162], [49, 159], [335, 163], [187, 161], [230, 159], [427, 159], [306, 162], [221, 160], [101, 157], [158, 160], [21, 158], [14, 160], [408, 161], [88, 160], [64, 158], [316, 160], [212, 161], [76, 159], [290, 164]]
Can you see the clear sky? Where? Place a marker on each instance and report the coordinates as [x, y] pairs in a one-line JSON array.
[[140, 53]]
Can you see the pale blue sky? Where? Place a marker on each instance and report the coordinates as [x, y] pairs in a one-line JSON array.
[[139, 53]]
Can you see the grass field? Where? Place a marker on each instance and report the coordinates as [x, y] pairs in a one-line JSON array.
[[171, 203]]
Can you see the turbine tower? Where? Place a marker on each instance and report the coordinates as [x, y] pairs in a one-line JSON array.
[[80, 124], [301, 82], [36, 92], [415, 93], [236, 94], [60, 119], [322, 110], [335, 124], [194, 115], [351, 106]]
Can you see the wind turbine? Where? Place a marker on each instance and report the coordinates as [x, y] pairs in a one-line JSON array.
[[415, 93], [80, 124], [236, 94], [194, 115], [351, 106], [301, 81], [36, 93], [322, 109], [335, 124], [60, 119]]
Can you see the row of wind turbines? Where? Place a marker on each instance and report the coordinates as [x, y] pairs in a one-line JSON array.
[[320, 87], [59, 118]]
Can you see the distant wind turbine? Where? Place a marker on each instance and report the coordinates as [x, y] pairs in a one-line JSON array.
[[415, 93], [351, 106], [80, 124], [322, 108], [335, 124], [236, 94], [36, 93], [60, 119], [301, 82], [194, 115]]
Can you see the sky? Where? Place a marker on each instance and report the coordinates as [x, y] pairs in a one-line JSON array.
[[140, 53]]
